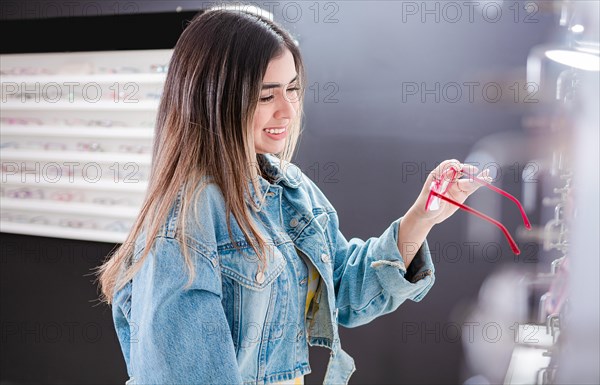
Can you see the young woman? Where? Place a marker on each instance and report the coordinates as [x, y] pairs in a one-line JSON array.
[[236, 262]]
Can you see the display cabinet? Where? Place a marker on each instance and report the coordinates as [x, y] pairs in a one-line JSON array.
[[76, 140]]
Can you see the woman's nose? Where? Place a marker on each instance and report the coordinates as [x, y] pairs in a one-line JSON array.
[[286, 108]]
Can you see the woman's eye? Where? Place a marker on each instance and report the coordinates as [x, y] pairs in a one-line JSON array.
[[266, 99]]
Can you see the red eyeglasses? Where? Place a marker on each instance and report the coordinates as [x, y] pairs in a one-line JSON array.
[[440, 186]]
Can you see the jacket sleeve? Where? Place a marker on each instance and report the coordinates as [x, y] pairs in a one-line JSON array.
[[370, 278], [182, 333]]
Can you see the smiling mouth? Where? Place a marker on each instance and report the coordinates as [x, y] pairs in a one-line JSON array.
[[275, 130]]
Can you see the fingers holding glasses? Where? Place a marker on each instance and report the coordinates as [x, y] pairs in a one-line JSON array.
[[469, 169], [446, 178], [469, 185], [448, 172], [439, 181], [447, 187], [445, 171]]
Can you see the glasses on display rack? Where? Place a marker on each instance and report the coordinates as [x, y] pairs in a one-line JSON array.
[[22, 121], [9, 144], [23, 96], [440, 186], [112, 201], [131, 97], [114, 226], [35, 193], [99, 123], [26, 71], [159, 68], [46, 146], [55, 146], [24, 218], [130, 174], [62, 196], [117, 70], [85, 68], [67, 196], [79, 146], [153, 95], [89, 123], [72, 122], [77, 223], [136, 149], [89, 147], [24, 193]]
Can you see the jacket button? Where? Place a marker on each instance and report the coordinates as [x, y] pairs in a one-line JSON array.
[[260, 277], [270, 194], [325, 257], [294, 222]]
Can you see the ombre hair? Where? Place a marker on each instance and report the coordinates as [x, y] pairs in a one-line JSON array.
[[204, 128]]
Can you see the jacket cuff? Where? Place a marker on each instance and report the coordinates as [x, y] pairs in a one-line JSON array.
[[393, 276]]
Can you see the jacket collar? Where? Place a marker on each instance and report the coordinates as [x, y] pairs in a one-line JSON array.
[[286, 173], [279, 172]]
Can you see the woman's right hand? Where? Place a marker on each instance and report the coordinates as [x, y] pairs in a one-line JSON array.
[[458, 189]]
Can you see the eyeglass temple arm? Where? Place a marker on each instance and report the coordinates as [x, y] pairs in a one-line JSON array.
[[511, 241], [506, 194]]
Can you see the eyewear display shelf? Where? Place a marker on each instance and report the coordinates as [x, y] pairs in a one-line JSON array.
[[76, 141]]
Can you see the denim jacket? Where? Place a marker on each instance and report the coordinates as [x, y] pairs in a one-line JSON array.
[[237, 326]]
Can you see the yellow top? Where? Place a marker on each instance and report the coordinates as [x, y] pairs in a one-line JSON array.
[[312, 284], [313, 280]]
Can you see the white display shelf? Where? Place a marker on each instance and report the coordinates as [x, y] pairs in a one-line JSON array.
[[76, 183], [141, 105], [142, 78], [74, 156], [79, 131], [57, 207], [43, 124], [62, 232]]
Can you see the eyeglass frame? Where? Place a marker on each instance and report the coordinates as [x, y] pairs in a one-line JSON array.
[[450, 175]]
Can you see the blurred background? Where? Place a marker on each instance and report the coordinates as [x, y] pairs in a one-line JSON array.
[[394, 88]]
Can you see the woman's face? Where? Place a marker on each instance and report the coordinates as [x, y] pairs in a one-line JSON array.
[[278, 105]]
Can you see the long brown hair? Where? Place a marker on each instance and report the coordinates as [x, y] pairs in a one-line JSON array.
[[204, 128]]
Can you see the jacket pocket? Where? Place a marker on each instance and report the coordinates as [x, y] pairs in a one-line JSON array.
[[255, 303], [242, 266]]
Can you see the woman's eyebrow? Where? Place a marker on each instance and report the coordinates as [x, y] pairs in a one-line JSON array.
[[268, 86]]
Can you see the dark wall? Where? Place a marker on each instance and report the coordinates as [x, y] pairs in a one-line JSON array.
[[367, 143], [53, 328]]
